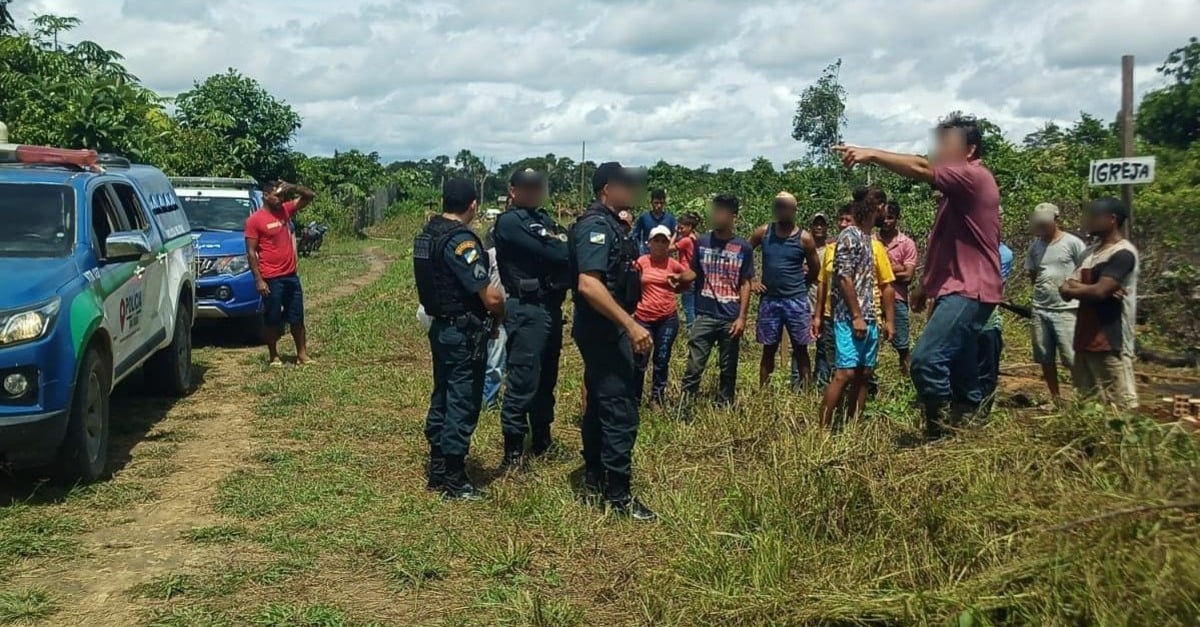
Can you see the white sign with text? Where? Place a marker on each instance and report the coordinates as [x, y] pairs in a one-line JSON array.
[[1130, 171]]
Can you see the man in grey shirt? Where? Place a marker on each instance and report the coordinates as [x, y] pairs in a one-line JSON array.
[[1053, 257]]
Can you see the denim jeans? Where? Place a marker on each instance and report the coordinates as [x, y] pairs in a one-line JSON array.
[[494, 371], [688, 299], [706, 333], [945, 361], [991, 345], [663, 333]]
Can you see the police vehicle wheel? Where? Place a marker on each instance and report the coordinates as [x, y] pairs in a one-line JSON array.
[[169, 371], [84, 452]]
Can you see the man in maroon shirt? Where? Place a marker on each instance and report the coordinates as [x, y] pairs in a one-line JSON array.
[[962, 267], [271, 251]]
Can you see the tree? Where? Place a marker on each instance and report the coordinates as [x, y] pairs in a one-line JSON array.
[[7, 25], [1171, 115], [51, 25], [256, 127], [821, 113]]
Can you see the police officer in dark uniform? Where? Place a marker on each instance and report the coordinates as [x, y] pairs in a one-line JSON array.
[[452, 273], [531, 250], [603, 257]]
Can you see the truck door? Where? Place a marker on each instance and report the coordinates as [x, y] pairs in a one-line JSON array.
[[115, 284], [145, 307]]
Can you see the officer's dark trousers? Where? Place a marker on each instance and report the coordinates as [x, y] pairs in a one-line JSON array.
[[534, 347], [610, 424], [458, 365], [706, 333]]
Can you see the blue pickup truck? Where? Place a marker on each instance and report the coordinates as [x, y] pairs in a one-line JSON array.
[[98, 265], [217, 209]]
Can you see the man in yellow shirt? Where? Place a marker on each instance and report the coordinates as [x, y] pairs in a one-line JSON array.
[[885, 297]]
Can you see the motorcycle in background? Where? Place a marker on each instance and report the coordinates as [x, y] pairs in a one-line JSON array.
[[311, 238]]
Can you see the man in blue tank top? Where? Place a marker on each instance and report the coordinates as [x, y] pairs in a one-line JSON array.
[[790, 265]]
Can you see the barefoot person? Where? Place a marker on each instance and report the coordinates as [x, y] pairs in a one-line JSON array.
[[962, 266], [271, 252], [789, 266]]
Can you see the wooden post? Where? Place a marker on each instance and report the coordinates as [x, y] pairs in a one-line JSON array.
[[1127, 137]]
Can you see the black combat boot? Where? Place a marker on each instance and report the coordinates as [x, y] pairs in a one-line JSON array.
[[937, 420], [621, 502], [593, 487], [514, 453], [456, 486], [542, 442], [437, 469]]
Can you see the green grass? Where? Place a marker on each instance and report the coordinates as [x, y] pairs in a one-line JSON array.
[[1064, 518], [25, 606]]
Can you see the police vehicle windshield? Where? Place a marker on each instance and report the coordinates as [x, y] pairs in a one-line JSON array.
[[212, 213], [38, 220]]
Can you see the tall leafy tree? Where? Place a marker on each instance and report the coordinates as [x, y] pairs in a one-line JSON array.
[[256, 127], [8, 26], [821, 113], [1171, 115]]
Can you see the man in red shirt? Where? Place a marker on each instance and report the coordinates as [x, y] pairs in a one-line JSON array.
[[271, 252], [962, 267]]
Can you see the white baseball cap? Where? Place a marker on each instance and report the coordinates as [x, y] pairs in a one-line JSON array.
[[660, 230]]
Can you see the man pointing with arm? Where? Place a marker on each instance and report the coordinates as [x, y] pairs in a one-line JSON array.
[[962, 266]]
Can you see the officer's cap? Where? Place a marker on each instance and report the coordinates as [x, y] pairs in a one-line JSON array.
[[617, 174], [527, 177]]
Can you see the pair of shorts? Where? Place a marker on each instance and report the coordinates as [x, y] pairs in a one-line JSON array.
[[284, 302], [851, 352], [900, 339], [1054, 336], [777, 314]]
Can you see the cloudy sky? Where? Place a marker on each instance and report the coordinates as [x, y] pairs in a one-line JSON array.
[[691, 81]]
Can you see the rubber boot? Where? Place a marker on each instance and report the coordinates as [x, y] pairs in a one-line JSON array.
[[437, 469], [621, 502], [456, 486], [937, 419], [514, 453]]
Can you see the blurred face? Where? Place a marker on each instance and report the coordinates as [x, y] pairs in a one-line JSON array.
[[1099, 224], [660, 246], [785, 212], [1043, 229], [845, 221], [723, 219], [527, 195], [658, 205], [619, 195], [950, 146], [819, 228]]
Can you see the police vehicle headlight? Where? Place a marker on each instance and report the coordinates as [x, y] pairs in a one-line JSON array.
[[29, 324], [232, 265]]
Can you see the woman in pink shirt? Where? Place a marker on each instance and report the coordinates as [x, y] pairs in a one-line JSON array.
[[662, 278]]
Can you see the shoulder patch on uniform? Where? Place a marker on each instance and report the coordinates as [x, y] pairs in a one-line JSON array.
[[471, 255], [480, 272], [463, 247], [596, 238]]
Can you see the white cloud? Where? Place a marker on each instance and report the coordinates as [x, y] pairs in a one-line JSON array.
[[690, 81]]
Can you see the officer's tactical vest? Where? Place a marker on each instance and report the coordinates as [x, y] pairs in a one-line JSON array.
[[623, 278], [527, 275], [437, 288]]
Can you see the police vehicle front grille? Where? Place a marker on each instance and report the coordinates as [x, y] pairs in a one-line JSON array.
[[206, 266]]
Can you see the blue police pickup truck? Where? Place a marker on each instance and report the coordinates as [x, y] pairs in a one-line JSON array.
[[96, 280], [217, 209]]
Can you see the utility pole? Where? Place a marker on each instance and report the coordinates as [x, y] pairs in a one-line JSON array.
[[1127, 137], [582, 175]]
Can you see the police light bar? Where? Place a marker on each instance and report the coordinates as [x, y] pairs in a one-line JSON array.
[[44, 155], [212, 182]]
